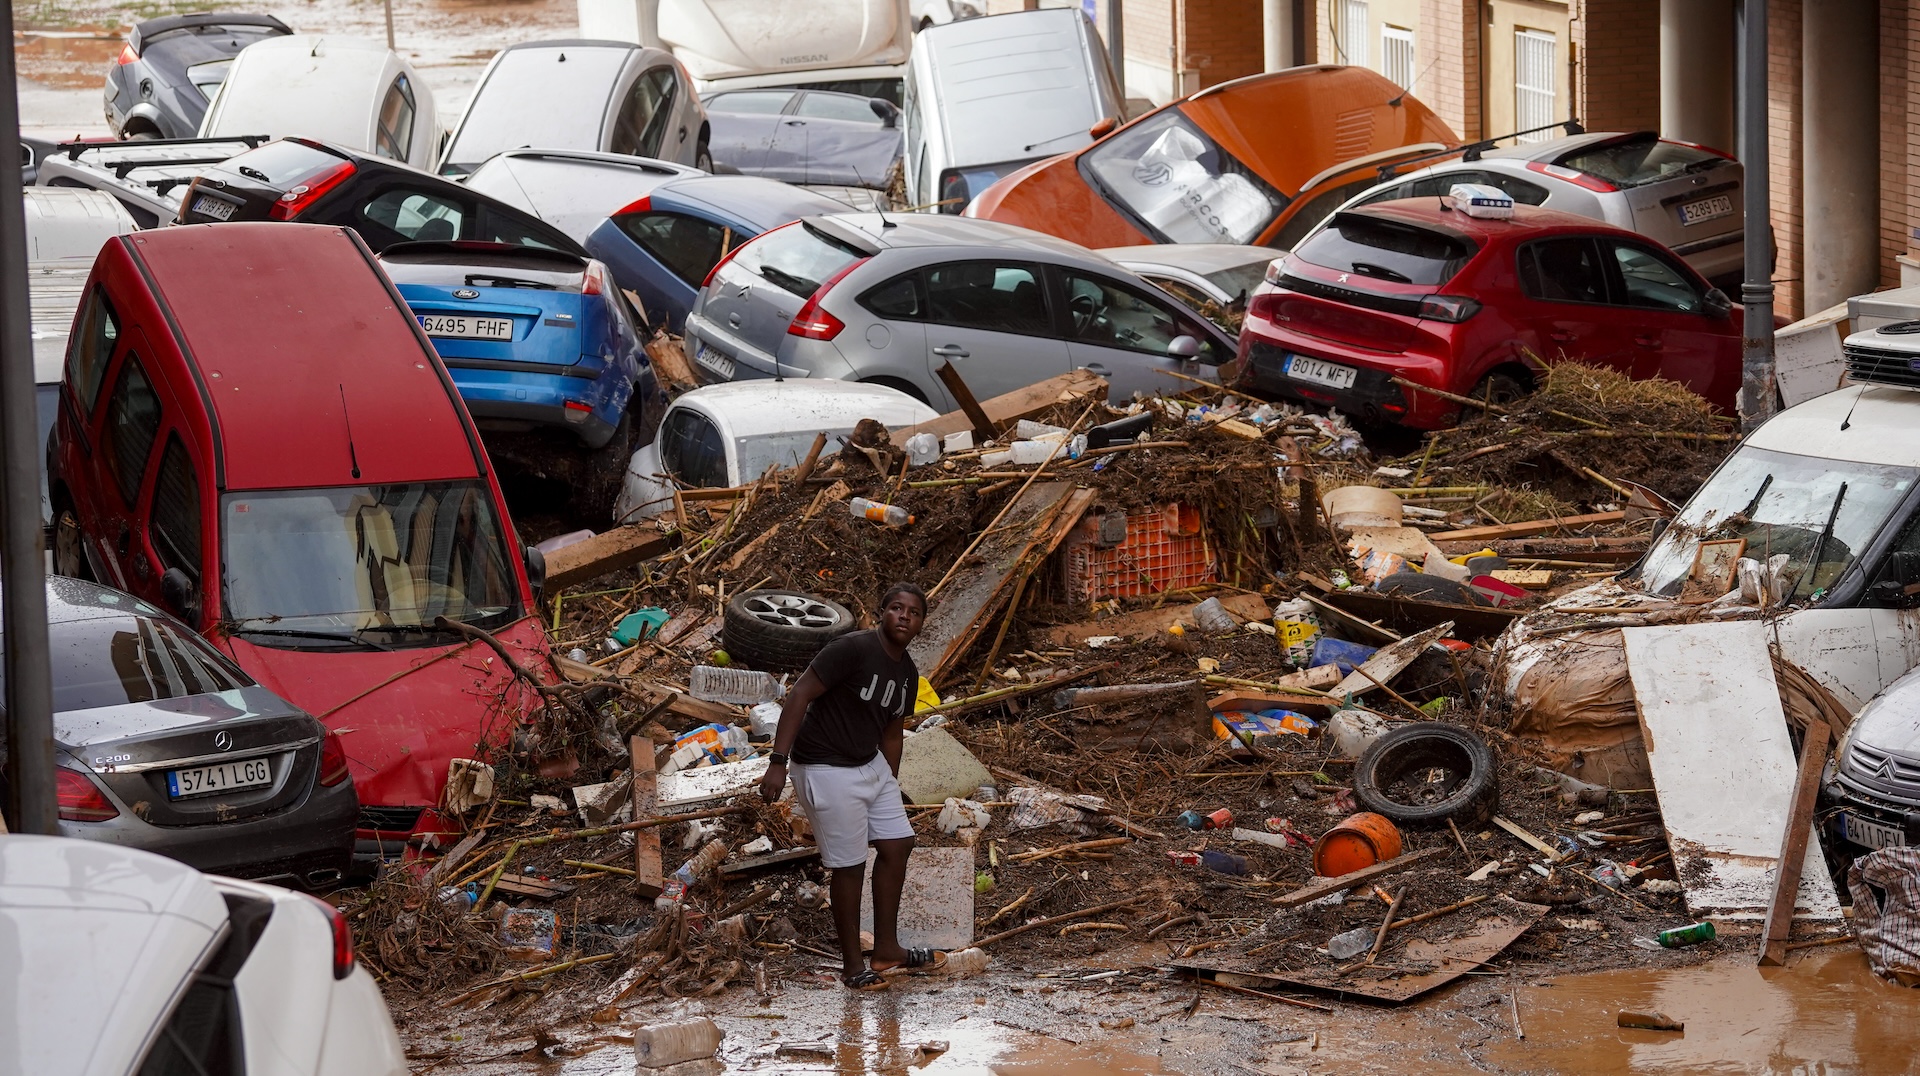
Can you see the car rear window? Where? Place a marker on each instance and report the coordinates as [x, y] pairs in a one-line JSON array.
[[1636, 163], [797, 259], [1386, 250], [285, 163], [537, 270], [117, 660]]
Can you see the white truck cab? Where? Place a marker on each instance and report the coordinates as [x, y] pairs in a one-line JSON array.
[[852, 46], [728, 435]]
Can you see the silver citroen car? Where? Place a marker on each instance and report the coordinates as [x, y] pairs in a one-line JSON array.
[[889, 299]]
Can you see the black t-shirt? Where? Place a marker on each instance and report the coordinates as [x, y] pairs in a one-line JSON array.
[[866, 692]]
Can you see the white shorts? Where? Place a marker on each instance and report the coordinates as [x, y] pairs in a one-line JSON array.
[[850, 807]]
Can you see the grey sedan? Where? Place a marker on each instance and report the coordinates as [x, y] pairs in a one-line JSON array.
[[163, 744], [889, 299]]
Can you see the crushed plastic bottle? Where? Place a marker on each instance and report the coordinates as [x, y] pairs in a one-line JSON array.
[[662, 1045], [890, 514], [1211, 616], [690, 872], [966, 963]]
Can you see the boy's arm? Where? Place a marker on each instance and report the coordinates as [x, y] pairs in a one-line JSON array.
[[792, 713], [892, 738]]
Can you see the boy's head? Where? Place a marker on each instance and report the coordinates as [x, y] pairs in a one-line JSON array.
[[903, 611]]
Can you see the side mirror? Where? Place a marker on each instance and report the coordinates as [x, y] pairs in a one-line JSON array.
[[1103, 127], [888, 112], [536, 571], [1898, 584], [1184, 347], [177, 592], [1716, 304]]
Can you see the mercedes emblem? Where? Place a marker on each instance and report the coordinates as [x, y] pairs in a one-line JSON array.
[[223, 740]]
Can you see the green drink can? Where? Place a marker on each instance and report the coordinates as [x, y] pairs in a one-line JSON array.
[[1680, 937]]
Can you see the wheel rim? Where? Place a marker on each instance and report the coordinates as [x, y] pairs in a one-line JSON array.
[[66, 545], [1431, 774], [792, 611]]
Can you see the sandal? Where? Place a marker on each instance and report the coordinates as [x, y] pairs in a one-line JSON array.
[[918, 962], [866, 980]]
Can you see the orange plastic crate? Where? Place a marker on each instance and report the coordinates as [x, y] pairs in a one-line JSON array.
[[1151, 560]]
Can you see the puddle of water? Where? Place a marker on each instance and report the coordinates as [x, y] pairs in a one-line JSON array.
[[68, 62]]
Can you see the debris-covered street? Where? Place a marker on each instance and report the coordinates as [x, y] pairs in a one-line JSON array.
[[1292, 575]]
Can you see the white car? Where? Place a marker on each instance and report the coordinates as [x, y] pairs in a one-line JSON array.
[[728, 435], [355, 93], [117, 961]]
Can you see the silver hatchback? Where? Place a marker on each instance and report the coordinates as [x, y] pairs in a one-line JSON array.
[[889, 299]]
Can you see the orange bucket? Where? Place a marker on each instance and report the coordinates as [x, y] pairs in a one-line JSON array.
[[1360, 840]]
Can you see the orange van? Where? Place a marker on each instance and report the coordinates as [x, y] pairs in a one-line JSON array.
[[1259, 160]]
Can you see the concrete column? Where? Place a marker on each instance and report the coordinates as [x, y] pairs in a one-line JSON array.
[[1277, 30], [1840, 67], [1696, 71]]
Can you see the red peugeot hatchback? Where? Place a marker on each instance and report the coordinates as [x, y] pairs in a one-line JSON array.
[[255, 433], [1477, 305]]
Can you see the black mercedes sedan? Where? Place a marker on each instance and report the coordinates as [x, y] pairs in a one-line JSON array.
[[163, 744]]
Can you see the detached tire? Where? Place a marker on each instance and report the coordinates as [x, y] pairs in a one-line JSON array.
[[781, 630], [1426, 773]]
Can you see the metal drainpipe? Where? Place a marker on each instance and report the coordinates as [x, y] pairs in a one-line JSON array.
[[23, 600], [1756, 292], [1117, 47]]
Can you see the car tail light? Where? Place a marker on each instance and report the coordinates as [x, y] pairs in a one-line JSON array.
[[596, 279], [1452, 308], [1573, 176], [127, 55], [333, 760], [342, 938], [644, 205], [302, 195], [80, 799], [578, 405], [815, 323], [1276, 269]]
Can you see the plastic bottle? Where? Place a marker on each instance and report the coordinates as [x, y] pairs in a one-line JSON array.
[[1692, 934], [690, 872], [1296, 626], [1027, 453], [735, 687], [1223, 862], [891, 514], [922, 449], [670, 1044], [966, 963], [1211, 616], [1193, 820], [457, 898]]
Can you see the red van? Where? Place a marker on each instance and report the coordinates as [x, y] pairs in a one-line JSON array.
[[255, 434]]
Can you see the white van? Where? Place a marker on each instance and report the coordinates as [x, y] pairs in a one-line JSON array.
[[987, 96], [850, 46], [355, 93]]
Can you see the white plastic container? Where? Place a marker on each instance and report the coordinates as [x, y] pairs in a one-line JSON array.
[[1027, 453], [735, 687], [670, 1044], [922, 449], [1352, 730], [1296, 625], [764, 719]]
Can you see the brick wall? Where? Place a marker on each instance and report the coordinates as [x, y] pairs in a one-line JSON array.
[[1783, 137], [1617, 53], [1897, 130], [1448, 51], [1149, 34], [1224, 39]]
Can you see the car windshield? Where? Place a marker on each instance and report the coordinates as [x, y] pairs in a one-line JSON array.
[[1781, 503], [1180, 183], [362, 564], [515, 106], [117, 660], [1641, 161], [1368, 247], [797, 259]]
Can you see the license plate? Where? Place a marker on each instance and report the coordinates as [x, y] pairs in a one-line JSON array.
[[219, 777], [466, 328], [1867, 832], [713, 360], [209, 206], [1320, 372], [1719, 205]]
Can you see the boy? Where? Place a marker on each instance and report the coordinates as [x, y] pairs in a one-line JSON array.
[[841, 725]]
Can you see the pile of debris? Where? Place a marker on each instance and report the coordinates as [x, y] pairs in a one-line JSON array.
[[1152, 718]]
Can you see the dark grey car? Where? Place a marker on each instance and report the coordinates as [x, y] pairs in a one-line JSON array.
[[890, 299], [165, 745], [166, 75]]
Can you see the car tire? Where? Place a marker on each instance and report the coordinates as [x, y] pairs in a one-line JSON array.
[[899, 385], [1498, 389], [592, 497], [144, 134], [781, 630], [1426, 774], [703, 159], [69, 552]]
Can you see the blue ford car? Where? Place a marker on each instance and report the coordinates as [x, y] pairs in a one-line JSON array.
[[664, 245], [545, 353]]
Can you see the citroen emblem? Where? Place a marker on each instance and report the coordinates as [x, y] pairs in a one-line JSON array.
[[223, 740], [1885, 770], [465, 293]]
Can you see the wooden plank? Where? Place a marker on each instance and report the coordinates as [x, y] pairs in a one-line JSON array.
[[1527, 838], [982, 586], [1471, 622], [669, 358], [648, 879], [1793, 845], [1722, 764], [1390, 661], [983, 427], [771, 859], [537, 888], [1320, 887], [1534, 579], [1244, 699], [578, 672], [1528, 528], [1016, 405], [621, 547], [1153, 621]]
